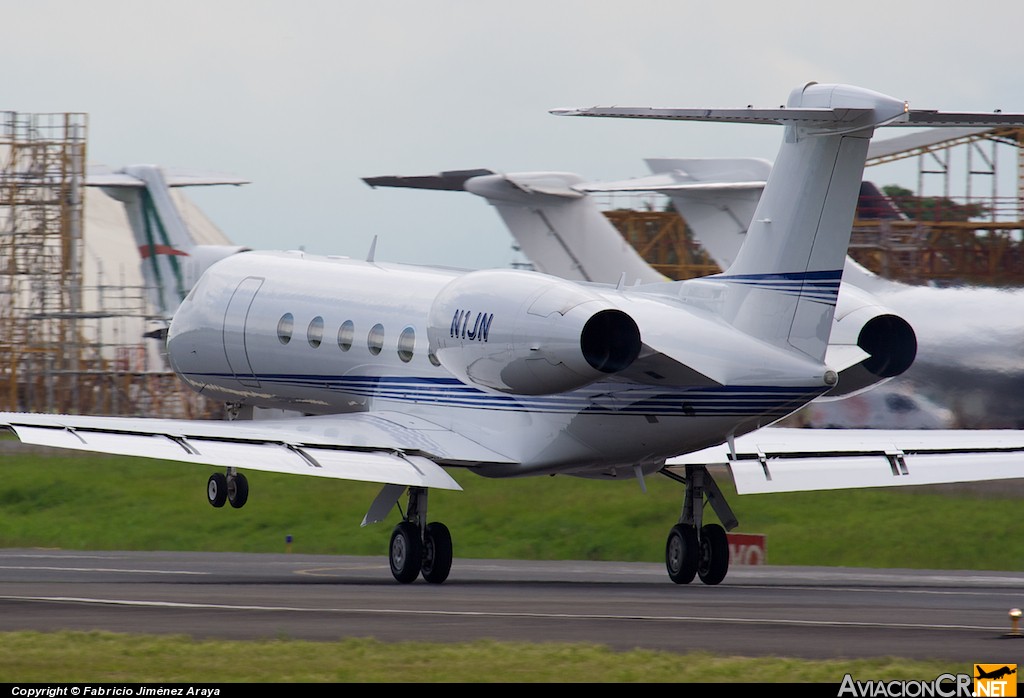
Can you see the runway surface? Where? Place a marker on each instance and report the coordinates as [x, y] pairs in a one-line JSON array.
[[782, 611]]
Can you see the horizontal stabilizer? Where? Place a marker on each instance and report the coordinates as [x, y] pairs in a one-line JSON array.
[[453, 180], [532, 184], [827, 119], [668, 184], [488, 186], [795, 460], [102, 176], [802, 116], [706, 176]]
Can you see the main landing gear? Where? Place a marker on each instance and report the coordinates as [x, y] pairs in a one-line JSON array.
[[229, 487], [695, 549], [418, 547]]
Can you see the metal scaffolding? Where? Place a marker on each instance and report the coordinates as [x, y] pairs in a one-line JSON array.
[[42, 165], [967, 232], [65, 346], [946, 246]]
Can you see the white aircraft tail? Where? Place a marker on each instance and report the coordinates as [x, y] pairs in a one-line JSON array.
[[171, 259], [558, 228], [716, 197], [787, 272]]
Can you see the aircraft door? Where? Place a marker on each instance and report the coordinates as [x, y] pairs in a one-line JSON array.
[[236, 317]]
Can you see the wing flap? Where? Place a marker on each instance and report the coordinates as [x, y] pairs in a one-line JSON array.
[[797, 460], [880, 470]]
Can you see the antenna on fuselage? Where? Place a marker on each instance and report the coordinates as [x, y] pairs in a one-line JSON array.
[[373, 249]]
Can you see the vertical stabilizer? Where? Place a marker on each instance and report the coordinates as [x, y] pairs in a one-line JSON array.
[[170, 257], [783, 284], [160, 233], [561, 229], [717, 198], [786, 275]]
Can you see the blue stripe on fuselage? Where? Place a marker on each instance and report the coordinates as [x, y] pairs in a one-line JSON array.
[[607, 397]]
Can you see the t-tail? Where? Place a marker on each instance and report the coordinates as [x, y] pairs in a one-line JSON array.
[[715, 196], [789, 268], [559, 229], [783, 284], [171, 258]]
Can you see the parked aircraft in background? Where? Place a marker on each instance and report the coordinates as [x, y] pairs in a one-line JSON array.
[[172, 262], [400, 370], [969, 337]]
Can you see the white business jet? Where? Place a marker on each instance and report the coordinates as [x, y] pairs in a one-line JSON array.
[[401, 371]]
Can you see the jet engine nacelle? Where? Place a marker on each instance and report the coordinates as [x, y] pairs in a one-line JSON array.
[[527, 333], [887, 338]]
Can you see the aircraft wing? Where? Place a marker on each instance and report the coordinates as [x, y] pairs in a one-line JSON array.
[[795, 460], [386, 447]]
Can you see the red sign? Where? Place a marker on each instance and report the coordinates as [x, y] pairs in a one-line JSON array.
[[747, 548]]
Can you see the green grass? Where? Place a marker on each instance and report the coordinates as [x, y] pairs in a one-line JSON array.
[[111, 503], [67, 657], [83, 501]]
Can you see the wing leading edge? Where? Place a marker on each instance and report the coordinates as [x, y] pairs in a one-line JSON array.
[[796, 460], [389, 448]]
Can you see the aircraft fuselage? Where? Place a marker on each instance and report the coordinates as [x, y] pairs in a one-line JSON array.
[[323, 335]]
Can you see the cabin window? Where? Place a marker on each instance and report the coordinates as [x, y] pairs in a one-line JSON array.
[[285, 326], [375, 340], [345, 334], [406, 344], [315, 331]]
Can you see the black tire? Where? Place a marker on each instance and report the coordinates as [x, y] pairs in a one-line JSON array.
[[217, 489], [405, 554], [437, 553], [681, 554], [713, 562], [238, 490]]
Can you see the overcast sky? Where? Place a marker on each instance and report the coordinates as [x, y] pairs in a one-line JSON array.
[[305, 97]]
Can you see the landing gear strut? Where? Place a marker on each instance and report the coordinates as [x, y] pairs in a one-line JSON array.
[[418, 547], [695, 549]]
